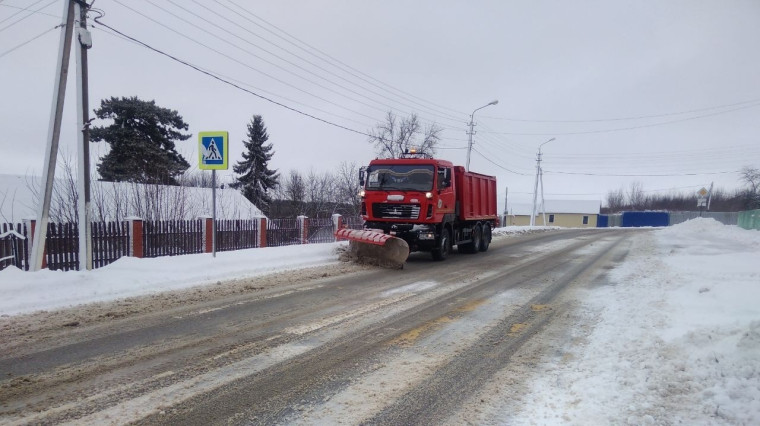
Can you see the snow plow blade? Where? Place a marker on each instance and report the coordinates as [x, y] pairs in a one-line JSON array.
[[375, 247]]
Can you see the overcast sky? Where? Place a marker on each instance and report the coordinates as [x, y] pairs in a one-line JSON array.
[[666, 93]]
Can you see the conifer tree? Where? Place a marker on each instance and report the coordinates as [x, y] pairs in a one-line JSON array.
[[256, 179], [142, 139]]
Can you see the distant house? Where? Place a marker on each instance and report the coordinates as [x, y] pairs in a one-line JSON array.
[[563, 213], [116, 201]]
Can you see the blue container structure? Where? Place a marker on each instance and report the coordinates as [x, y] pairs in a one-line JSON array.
[[602, 221], [638, 219]]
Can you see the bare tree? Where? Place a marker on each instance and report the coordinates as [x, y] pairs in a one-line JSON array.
[[636, 197], [347, 186], [616, 200], [395, 136], [751, 176], [294, 190], [197, 178], [320, 194], [63, 200]]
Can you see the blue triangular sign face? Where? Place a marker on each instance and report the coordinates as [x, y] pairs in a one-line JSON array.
[[212, 151]]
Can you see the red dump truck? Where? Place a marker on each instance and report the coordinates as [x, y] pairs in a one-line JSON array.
[[430, 204]]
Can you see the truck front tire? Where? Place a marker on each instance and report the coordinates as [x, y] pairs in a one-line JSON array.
[[442, 250]]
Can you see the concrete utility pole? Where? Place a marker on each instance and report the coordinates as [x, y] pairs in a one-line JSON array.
[[506, 201], [54, 133], [535, 186], [472, 132], [83, 139], [73, 10]]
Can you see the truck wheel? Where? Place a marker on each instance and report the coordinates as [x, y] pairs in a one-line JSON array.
[[477, 239], [485, 239], [441, 252]]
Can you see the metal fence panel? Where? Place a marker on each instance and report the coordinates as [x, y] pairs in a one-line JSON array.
[[172, 238], [110, 241], [353, 222], [62, 246], [749, 219], [644, 218], [14, 246], [726, 218], [236, 234], [321, 230], [283, 232]]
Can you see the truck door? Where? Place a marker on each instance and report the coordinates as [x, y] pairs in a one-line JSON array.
[[445, 188]]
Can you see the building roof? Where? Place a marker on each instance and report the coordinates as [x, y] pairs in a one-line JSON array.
[[118, 200], [557, 207]]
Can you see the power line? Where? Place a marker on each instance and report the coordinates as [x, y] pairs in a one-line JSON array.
[[228, 81], [247, 65], [620, 129], [640, 175], [187, 64], [331, 60], [27, 42], [373, 92], [312, 82], [499, 165], [34, 12], [242, 83], [639, 117], [25, 17]]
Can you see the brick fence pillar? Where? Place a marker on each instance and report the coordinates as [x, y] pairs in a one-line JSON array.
[[337, 224], [303, 227], [263, 232], [207, 226], [30, 225], [136, 248]]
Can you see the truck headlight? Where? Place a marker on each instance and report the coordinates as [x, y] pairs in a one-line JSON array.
[[428, 195]]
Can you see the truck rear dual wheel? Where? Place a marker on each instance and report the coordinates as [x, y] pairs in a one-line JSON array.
[[485, 238], [476, 239]]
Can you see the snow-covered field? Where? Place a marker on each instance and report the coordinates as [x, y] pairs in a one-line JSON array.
[[674, 338]]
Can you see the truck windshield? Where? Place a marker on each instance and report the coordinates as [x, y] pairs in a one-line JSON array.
[[400, 177]]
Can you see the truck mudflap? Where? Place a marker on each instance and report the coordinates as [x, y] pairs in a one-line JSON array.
[[375, 246]]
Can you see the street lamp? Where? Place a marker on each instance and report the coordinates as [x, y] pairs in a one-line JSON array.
[[535, 186], [472, 124]]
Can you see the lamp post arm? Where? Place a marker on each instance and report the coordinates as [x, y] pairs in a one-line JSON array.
[[471, 132]]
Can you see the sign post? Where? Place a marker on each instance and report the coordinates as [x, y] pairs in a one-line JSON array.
[[702, 200], [213, 154]]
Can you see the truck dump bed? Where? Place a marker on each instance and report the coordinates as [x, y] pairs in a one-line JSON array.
[[476, 195]]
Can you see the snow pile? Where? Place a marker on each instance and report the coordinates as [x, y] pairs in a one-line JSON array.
[[675, 340], [127, 277], [516, 230]]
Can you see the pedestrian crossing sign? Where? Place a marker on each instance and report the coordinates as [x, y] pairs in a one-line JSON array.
[[213, 150]]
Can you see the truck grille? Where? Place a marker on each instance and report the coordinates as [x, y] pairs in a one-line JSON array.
[[396, 211]]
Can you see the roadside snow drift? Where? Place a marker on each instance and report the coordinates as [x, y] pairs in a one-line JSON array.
[[676, 339]]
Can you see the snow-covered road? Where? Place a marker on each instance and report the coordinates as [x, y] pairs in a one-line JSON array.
[[670, 336]]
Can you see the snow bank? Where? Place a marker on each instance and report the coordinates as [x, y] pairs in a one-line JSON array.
[[44, 290], [675, 340]]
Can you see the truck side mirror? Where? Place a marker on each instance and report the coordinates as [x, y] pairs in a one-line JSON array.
[[362, 174]]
